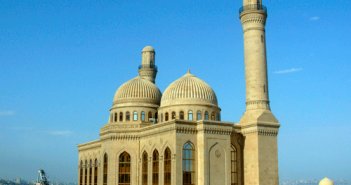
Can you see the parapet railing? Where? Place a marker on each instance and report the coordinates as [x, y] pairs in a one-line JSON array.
[[148, 66], [253, 7]]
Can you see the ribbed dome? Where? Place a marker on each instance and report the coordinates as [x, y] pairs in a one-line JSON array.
[[138, 90], [326, 181], [189, 90]]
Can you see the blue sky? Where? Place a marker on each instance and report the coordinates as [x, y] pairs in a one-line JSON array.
[[62, 61]]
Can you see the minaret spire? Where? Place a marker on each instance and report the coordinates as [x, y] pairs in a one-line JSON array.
[[259, 126], [148, 69]]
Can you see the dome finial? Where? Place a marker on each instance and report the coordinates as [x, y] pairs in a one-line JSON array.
[[188, 72]]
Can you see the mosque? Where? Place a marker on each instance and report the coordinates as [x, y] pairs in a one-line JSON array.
[[177, 137]]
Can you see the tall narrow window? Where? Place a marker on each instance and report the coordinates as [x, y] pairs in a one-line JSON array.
[[167, 167], [86, 173], [124, 169], [142, 116], [90, 171], [198, 115], [206, 115], [173, 115], [116, 117], [135, 116], [155, 167], [149, 116], [212, 116], [127, 116], [156, 117], [188, 164], [190, 115], [218, 116], [166, 116], [95, 172], [181, 115], [145, 169], [105, 170], [81, 173], [234, 166], [161, 117], [121, 116]]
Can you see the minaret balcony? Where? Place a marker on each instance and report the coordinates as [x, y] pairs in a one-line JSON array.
[[148, 66], [253, 8]]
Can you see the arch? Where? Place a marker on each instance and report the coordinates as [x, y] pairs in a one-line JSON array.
[[121, 116], [173, 115], [167, 170], [149, 116], [190, 115], [155, 167], [156, 117], [116, 117], [95, 172], [206, 115], [234, 165], [90, 171], [166, 116], [198, 115], [124, 171], [145, 166], [135, 116], [81, 173], [127, 116], [217, 164], [86, 173], [105, 169], [188, 163], [142, 116], [181, 115], [213, 117]]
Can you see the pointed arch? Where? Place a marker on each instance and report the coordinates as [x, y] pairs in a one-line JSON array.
[[145, 166], [234, 165], [188, 163], [155, 167], [95, 172], [167, 167], [86, 173], [124, 171], [90, 171], [81, 172], [105, 169]]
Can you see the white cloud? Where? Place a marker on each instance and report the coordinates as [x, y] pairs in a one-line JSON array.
[[285, 71], [315, 18], [61, 133], [7, 113]]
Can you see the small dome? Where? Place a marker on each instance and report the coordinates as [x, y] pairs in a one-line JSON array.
[[137, 90], [189, 89], [148, 48], [326, 181]]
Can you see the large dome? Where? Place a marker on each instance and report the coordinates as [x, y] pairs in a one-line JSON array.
[[326, 181], [137, 90], [189, 90]]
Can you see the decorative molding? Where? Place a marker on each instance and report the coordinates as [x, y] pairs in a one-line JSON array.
[[124, 137], [254, 18], [186, 130], [260, 131]]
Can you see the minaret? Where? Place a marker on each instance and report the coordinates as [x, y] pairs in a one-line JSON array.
[[148, 69], [259, 126]]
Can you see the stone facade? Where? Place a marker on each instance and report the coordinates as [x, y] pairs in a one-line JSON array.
[[178, 138]]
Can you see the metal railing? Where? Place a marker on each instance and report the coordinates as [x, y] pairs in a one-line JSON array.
[[253, 7], [148, 66]]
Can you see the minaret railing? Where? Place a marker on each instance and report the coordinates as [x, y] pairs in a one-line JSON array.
[[253, 7]]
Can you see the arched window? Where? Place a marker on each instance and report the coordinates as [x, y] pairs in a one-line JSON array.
[[161, 117], [144, 169], [218, 116], [116, 117], [95, 172], [135, 116], [127, 116], [190, 115], [149, 116], [155, 167], [198, 115], [181, 115], [142, 116], [121, 116], [173, 115], [86, 173], [188, 164], [124, 169], [105, 170], [234, 166], [81, 173], [166, 116], [90, 171], [167, 167], [156, 117], [213, 116], [206, 115]]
